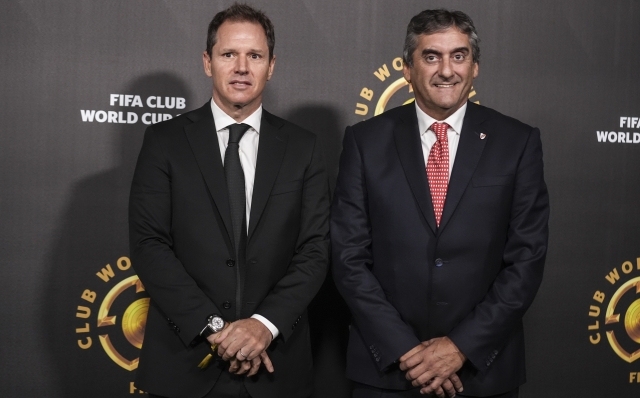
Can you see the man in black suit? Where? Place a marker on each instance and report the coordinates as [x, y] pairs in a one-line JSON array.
[[229, 232], [439, 230]]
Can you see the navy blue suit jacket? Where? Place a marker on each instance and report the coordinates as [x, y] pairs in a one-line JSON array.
[[472, 279]]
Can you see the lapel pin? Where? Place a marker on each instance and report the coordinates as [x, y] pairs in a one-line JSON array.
[[483, 136]]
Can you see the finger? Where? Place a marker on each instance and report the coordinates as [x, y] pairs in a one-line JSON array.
[[255, 365], [415, 360], [232, 346], [267, 362], [427, 343], [253, 349], [447, 386], [426, 379], [222, 349], [439, 392], [234, 365], [430, 386], [221, 335], [244, 367], [457, 384], [416, 371], [242, 341], [243, 356], [413, 351]]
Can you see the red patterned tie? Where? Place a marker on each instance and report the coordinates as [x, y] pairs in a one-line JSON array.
[[438, 169]]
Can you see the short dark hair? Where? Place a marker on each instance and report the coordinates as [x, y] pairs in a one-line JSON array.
[[433, 21], [241, 13]]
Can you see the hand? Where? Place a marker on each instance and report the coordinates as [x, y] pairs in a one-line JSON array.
[[432, 365], [212, 337], [241, 367], [245, 340]]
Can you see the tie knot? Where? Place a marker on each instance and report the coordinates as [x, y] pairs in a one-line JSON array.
[[441, 130], [236, 131]]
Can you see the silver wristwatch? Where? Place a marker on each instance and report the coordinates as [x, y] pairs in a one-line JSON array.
[[214, 325]]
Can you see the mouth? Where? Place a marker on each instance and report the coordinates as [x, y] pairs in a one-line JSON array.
[[445, 85], [240, 83]]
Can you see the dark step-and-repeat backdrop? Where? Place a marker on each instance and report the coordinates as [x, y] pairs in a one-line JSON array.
[[80, 81]]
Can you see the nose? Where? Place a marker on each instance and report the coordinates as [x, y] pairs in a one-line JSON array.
[[445, 70], [241, 65]]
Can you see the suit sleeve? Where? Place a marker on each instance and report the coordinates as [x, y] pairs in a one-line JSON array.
[[308, 267], [169, 285], [379, 323], [482, 333]]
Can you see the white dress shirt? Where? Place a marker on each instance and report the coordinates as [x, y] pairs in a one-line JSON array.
[[428, 136], [248, 152]]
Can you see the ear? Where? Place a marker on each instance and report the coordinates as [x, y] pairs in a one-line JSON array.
[[272, 64], [206, 63], [475, 70], [406, 71]]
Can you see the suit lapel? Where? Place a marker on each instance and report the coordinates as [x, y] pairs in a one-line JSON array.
[[470, 149], [271, 149], [409, 146], [206, 149]]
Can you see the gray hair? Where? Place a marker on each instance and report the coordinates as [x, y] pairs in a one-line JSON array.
[[433, 21]]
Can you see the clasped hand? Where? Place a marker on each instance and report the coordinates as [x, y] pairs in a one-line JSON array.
[[432, 365], [243, 344]]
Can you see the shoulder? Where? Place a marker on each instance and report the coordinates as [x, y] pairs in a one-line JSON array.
[[496, 121], [179, 122], [293, 132], [388, 119]]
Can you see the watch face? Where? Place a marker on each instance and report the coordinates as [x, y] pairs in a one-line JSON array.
[[217, 323]]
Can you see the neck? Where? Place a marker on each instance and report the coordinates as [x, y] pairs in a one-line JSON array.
[[238, 112], [439, 113]]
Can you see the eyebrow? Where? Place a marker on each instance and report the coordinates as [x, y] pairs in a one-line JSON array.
[[233, 50], [428, 51]]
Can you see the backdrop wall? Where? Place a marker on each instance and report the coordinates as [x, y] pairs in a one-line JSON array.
[[81, 79]]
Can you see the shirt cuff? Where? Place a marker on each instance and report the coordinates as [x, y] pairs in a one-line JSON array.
[[272, 328]]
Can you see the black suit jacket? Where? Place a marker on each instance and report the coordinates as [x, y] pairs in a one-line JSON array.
[[181, 247], [472, 278]]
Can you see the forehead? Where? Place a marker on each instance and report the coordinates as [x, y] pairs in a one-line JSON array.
[[239, 33], [444, 41]]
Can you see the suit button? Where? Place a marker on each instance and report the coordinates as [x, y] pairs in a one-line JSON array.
[[439, 262], [230, 262], [226, 305]]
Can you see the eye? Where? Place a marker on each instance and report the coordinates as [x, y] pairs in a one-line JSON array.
[[459, 57], [256, 56], [431, 58], [227, 55]]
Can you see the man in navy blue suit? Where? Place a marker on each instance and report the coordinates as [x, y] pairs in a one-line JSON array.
[[439, 230]]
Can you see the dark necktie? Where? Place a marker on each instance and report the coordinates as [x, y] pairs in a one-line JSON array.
[[235, 182], [438, 169]]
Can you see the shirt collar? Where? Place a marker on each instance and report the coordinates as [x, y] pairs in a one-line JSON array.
[[222, 120], [454, 121]]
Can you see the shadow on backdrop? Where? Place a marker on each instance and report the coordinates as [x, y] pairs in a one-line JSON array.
[[328, 314], [92, 233], [92, 237]]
